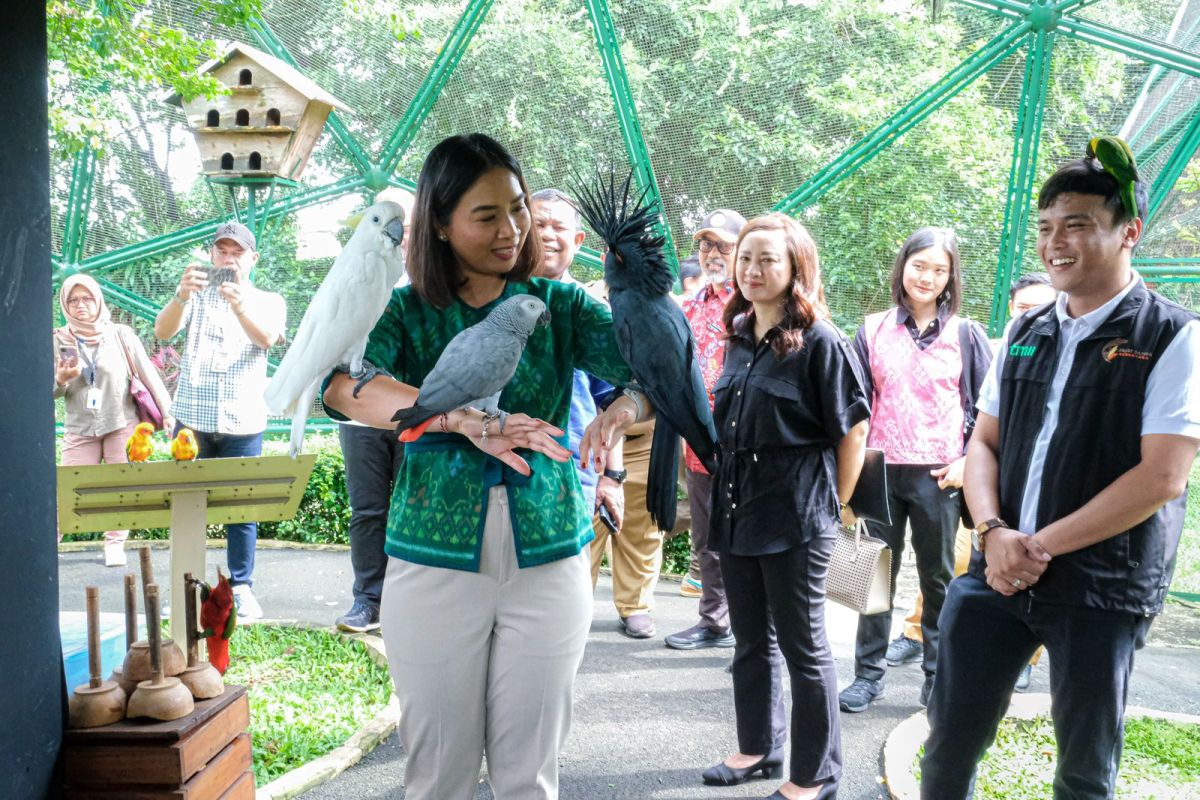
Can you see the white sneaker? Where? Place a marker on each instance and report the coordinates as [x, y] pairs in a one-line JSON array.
[[247, 607], [114, 554]]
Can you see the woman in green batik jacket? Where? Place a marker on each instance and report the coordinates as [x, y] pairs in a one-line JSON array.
[[487, 601]]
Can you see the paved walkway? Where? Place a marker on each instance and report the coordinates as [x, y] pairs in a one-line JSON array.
[[648, 719]]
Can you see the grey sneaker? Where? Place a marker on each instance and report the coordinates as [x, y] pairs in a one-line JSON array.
[[697, 637], [904, 650], [638, 626], [1024, 678], [247, 606], [361, 617], [860, 694]]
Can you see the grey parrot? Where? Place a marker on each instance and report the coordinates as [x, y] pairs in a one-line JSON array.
[[653, 336], [340, 316], [475, 366]]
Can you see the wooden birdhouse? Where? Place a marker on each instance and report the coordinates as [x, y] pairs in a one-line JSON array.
[[266, 126]]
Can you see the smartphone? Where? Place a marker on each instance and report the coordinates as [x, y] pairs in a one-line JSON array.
[[68, 355], [607, 518], [218, 276]]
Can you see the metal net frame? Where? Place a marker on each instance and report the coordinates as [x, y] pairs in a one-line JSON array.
[[862, 120]]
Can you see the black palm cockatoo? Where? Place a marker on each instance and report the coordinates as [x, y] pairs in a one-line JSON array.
[[653, 335]]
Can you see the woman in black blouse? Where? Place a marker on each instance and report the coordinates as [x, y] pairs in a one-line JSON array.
[[792, 417]]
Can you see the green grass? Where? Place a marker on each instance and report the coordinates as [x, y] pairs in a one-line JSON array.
[[1161, 760], [309, 692]]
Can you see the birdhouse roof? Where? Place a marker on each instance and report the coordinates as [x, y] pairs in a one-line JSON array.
[[276, 66]]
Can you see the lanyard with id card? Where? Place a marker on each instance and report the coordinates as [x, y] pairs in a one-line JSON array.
[[92, 400]]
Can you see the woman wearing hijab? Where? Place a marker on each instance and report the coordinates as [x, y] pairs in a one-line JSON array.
[[92, 373]]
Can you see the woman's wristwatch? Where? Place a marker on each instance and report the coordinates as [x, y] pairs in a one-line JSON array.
[[618, 475]]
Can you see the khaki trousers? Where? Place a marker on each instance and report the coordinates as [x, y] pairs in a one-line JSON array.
[[485, 662], [962, 558], [636, 552]]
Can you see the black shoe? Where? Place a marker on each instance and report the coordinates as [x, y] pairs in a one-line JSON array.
[[721, 774], [860, 694], [828, 792], [904, 650], [926, 690], [699, 636], [359, 619], [1024, 678]]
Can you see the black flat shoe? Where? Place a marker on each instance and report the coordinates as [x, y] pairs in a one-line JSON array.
[[721, 774], [828, 792]]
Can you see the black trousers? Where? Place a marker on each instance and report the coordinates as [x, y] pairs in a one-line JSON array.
[[373, 460], [933, 513], [777, 611], [987, 639]]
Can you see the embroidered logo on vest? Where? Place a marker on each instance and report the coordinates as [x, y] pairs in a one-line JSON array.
[[1022, 350], [1113, 350]]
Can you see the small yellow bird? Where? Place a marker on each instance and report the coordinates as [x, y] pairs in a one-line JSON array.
[[141, 444], [183, 446]]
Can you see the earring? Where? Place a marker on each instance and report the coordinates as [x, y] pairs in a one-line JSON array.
[[442, 236]]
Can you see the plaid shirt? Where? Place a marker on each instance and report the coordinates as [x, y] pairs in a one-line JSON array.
[[705, 313], [222, 375]]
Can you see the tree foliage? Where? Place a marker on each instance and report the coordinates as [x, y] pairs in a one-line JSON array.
[[101, 51]]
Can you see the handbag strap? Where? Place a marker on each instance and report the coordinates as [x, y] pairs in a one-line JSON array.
[[128, 359]]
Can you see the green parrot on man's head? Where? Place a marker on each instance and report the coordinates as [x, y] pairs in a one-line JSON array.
[[1117, 159]]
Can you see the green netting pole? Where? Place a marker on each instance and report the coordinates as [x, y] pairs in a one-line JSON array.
[[1174, 167], [916, 110], [1132, 45], [1147, 154], [609, 46], [120, 257], [1023, 172], [430, 89], [1157, 73], [79, 205], [266, 39]]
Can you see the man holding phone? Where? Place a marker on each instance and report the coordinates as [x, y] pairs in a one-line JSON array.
[[223, 373]]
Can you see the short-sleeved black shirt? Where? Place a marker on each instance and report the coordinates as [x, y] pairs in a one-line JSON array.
[[779, 421]]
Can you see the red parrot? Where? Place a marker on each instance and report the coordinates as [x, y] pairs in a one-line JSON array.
[[218, 618]]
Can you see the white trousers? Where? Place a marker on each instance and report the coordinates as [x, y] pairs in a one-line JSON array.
[[485, 662]]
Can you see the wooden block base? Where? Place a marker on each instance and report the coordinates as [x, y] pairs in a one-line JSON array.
[[206, 754]]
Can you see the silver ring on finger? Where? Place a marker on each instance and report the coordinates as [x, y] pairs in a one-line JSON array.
[[1017, 583]]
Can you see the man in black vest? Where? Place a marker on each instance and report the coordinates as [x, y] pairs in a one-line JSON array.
[[1077, 473]]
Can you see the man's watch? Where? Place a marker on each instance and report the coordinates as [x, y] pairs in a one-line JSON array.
[[981, 530], [179, 300], [618, 475]]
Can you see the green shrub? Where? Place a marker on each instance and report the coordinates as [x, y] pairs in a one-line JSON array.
[[324, 513]]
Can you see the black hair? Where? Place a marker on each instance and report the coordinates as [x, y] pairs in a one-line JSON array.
[[920, 240], [1027, 280], [1086, 176], [690, 267], [450, 170]]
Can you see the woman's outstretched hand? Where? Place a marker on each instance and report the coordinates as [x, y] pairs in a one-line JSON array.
[[604, 431], [518, 431]]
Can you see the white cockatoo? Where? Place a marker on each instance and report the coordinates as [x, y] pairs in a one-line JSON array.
[[340, 317]]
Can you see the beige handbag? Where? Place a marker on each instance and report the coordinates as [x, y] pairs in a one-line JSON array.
[[860, 572]]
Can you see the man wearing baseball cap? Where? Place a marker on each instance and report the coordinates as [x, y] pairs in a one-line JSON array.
[[715, 242], [230, 327]]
